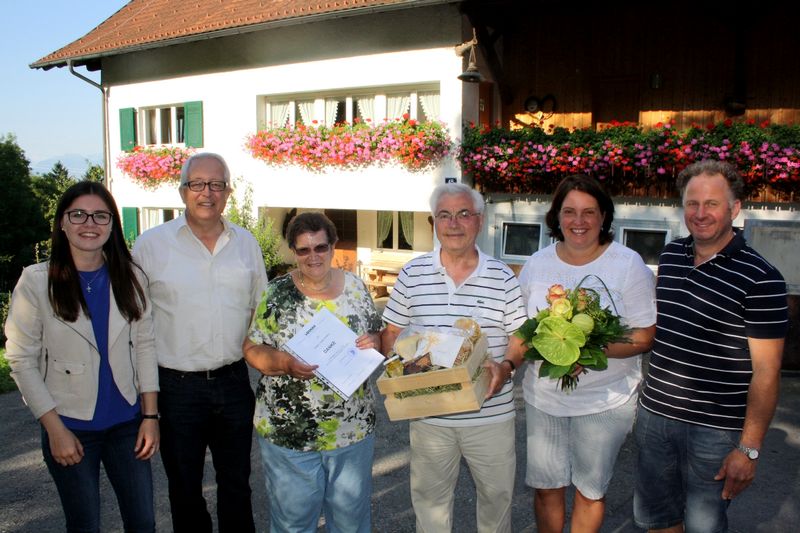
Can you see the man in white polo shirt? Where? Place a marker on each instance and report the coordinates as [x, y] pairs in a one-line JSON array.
[[458, 280]]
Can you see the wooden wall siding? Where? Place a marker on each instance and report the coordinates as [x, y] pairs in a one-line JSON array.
[[599, 64]]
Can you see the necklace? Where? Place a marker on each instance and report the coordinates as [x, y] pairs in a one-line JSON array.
[[89, 283], [315, 289]]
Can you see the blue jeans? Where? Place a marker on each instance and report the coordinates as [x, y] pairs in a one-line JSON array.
[[198, 412], [79, 485], [675, 474], [302, 485]]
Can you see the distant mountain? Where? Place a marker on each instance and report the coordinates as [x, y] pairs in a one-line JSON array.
[[75, 163]]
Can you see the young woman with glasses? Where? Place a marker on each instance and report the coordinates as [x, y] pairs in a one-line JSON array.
[[80, 347]]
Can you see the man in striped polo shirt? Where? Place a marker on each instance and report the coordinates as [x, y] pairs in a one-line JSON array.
[[714, 372], [458, 280]]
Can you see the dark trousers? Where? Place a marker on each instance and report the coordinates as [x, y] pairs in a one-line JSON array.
[[200, 411], [79, 485]]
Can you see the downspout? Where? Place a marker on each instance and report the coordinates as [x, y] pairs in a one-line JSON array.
[[106, 151]]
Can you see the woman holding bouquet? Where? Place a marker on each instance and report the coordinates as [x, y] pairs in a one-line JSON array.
[[574, 436]]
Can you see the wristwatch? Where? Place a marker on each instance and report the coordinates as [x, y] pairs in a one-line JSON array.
[[751, 453], [511, 365]]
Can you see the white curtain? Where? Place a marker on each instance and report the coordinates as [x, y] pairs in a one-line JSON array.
[[407, 226], [384, 226], [152, 218], [279, 114], [331, 107], [396, 106], [306, 111], [430, 105], [366, 106]]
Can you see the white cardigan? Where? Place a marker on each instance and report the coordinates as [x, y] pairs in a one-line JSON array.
[[56, 363]]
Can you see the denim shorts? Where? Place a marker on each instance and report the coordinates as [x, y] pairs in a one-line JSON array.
[[675, 474], [580, 450]]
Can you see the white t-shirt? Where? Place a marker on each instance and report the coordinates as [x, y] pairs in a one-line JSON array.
[[631, 286]]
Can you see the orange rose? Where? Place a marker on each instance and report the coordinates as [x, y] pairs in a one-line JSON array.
[[555, 292]]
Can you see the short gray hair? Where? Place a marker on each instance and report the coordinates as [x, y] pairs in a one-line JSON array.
[[204, 155], [456, 189]]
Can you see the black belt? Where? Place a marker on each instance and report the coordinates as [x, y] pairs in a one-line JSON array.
[[206, 374]]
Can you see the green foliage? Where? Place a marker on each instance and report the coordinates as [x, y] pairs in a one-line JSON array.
[[6, 382], [49, 187], [95, 173], [22, 224], [5, 302], [262, 229]]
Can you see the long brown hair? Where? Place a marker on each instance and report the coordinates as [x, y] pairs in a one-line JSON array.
[[63, 285]]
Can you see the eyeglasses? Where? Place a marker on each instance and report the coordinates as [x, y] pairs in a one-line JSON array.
[[461, 216], [79, 216], [318, 249], [199, 186]]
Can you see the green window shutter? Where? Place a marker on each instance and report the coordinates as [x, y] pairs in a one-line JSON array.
[[130, 223], [193, 111], [127, 128]]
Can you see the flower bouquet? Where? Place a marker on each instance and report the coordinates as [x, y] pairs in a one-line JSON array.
[[569, 336]]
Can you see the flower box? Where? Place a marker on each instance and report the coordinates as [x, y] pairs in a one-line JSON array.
[[472, 382], [416, 146], [154, 166]]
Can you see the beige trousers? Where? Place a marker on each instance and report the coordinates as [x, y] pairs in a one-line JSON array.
[[436, 453]]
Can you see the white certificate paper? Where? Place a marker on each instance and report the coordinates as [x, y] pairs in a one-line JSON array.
[[327, 342]]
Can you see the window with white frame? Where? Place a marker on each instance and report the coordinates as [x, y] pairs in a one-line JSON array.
[[174, 124], [395, 230], [154, 216], [647, 242], [162, 125], [420, 102], [520, 240]]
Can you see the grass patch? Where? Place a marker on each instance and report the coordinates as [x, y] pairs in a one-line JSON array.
[[6, 383]]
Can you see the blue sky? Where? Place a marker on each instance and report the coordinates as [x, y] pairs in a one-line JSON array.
[[52, 113]]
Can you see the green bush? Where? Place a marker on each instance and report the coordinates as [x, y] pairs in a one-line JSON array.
[[5, 301], [6, 383], [262, 229]]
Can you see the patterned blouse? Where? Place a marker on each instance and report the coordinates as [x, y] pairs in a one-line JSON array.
[[306, 415]]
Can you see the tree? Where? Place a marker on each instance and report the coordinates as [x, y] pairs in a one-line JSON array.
[[49, 187], [95, 173], [262, 229], [22, 224]]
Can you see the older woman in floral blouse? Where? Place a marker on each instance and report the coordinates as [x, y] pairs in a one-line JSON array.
[[317, 448]]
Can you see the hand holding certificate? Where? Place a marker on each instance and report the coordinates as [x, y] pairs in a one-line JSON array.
[[326, 342]]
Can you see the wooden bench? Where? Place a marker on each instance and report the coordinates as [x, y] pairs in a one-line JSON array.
[[381, 277]]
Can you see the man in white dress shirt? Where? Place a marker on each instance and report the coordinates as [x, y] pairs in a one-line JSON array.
[[205, 277]]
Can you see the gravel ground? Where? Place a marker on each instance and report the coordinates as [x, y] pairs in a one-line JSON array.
[[29, 502]]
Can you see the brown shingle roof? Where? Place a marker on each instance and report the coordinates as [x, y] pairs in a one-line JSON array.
[[152, 23]]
